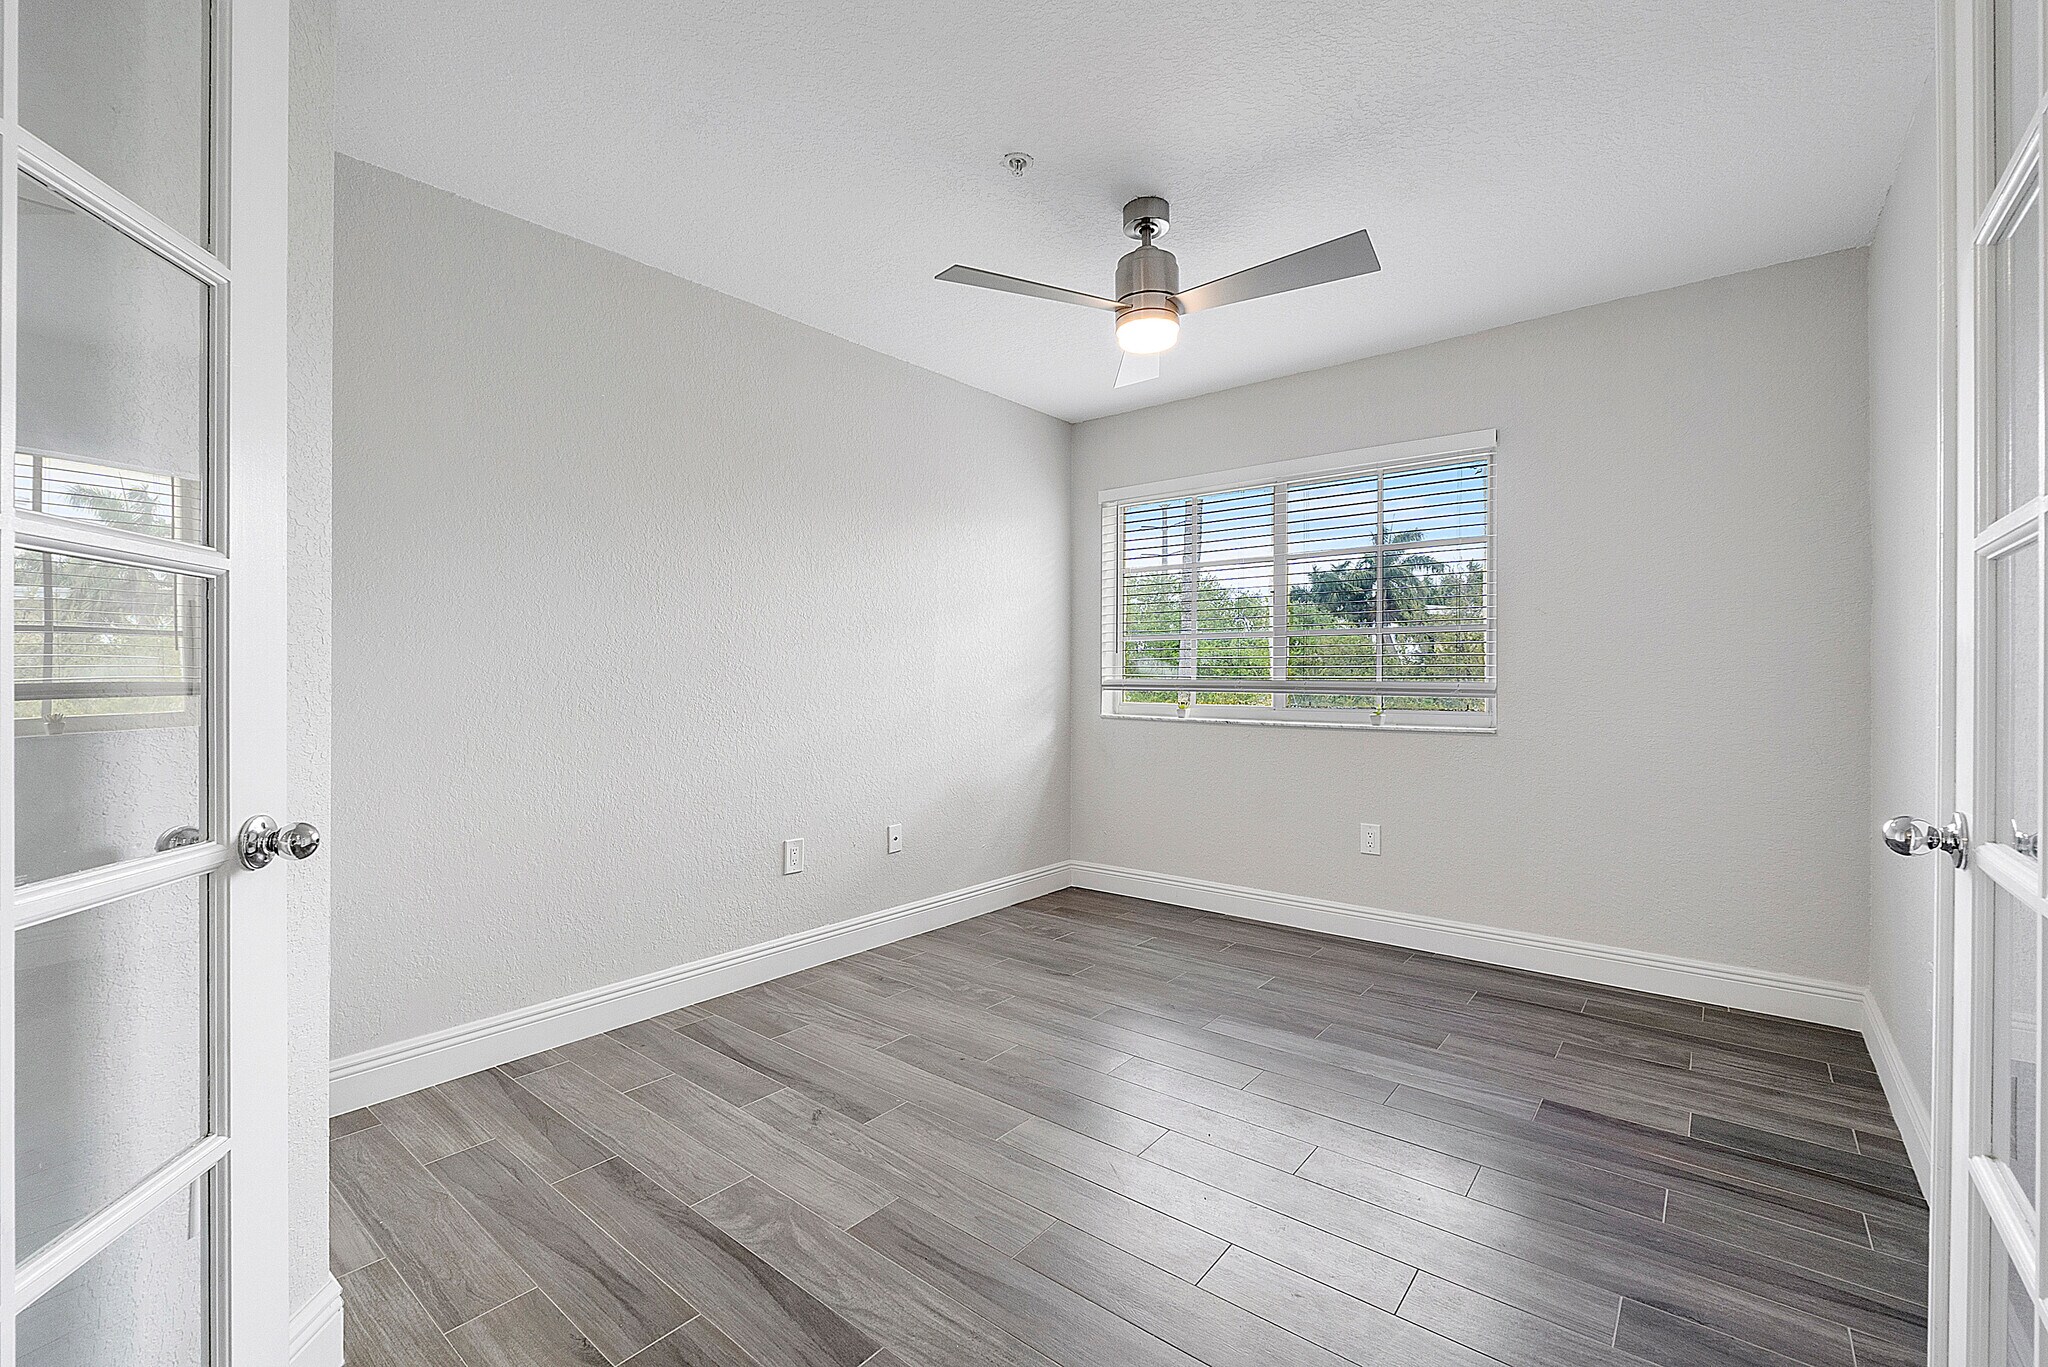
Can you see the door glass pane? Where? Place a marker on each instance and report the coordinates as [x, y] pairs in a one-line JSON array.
[[2016, 71], [142, 1300], [2014, 473], [111, 1068], [2014, 657], [113, 383], [2009, 1334], [121, 87], [110, 756], [2015, 975]]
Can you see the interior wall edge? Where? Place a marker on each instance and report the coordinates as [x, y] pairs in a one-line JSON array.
[[395, 1069]]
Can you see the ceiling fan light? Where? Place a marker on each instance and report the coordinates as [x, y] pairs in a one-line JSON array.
[[1147, 331]]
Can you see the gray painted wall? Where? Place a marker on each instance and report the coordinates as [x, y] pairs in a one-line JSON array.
[[1683, 559], [632, 581], [309, 680], [1905, 645]]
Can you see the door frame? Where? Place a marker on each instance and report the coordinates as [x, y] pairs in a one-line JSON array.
[[248, 1148]]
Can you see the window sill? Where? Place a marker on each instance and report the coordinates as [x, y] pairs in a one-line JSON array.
[[1305, 725]]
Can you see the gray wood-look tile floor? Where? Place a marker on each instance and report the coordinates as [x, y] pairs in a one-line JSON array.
[[1101, 1132]]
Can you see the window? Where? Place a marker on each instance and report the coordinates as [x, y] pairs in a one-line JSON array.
[[1342, 590], [101, 645]]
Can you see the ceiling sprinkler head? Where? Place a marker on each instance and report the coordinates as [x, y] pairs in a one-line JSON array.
[[1018, 162]]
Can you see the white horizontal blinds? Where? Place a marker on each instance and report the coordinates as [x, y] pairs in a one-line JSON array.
[[97, 640], [1361, 591], [1197, 580], [147, 502]]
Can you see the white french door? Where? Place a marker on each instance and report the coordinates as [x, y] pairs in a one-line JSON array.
[[1994, 1308], [142, 399]]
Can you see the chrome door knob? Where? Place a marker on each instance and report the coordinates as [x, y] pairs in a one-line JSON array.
[[1908, 835], [263, 840]]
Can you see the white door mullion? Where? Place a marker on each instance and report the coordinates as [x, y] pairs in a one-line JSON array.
[[76, 1246], [59, 897], [69, 536], [66, 176]]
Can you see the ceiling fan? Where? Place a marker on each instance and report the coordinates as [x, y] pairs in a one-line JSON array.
[[1149, 300]]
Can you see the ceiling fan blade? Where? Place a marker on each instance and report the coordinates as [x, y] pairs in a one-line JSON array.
[[1338, 259], [989, 280], [1136, 369]]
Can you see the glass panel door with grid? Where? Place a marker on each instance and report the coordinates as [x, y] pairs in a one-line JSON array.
[[142, 400], [1992, 1307]]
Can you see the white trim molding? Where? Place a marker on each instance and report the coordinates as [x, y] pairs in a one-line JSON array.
[[395, 1069], [1909, 1108], [1746, 989], [316, 1329]]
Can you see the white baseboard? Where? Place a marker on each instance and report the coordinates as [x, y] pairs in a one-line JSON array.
[[395, 1069], [316, 1329], [1746, 989], [1909, 1108]]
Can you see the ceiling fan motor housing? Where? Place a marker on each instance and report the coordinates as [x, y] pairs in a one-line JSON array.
[[1147, 278]]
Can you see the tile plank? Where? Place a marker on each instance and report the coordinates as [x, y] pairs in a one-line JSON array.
[[1367, 1273], [685, 1165], [757, 1306], [826, 1187], [716, 1072], [1535, 1287], [385, 1325], [1029, 1305], [1131, 1225], [890, 1304], [1323, 1315], [990, 1215], [858, 1100], [611, 1297], [434, 1245], [1200, 1323], [1659, 1336], [1501, 1331], [530, 1130]]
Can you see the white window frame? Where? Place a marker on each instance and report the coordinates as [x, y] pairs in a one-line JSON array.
[[1396, 456]]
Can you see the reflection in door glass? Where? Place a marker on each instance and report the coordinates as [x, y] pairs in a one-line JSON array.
[[2009, 1336], [113, 381], [121, 87], [110, 753], [2014, 474], [2015, 970], [110, 1018], [2016, 71], [2015, 667], [144, 1299]]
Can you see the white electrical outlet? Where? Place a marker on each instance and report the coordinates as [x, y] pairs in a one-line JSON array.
[[793, 856], [896, 838], [1368, 837]]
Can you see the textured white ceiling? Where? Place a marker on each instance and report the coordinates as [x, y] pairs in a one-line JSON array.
[[1512, 158]]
